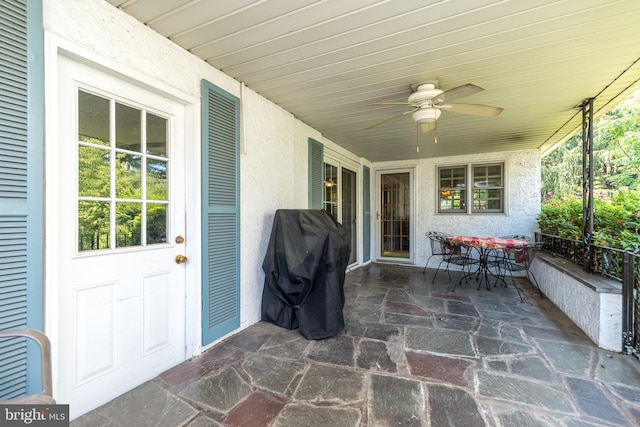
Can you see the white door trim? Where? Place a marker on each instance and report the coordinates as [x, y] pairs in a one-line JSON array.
[[55, 46]]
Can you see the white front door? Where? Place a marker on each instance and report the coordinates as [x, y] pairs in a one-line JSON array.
[[121, 211]]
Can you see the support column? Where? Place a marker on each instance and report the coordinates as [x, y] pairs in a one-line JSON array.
[[587, 183]]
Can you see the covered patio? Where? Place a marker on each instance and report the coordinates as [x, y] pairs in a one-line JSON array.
[[316, 115], [412, 353]]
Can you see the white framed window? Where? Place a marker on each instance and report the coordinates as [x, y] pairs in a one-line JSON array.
[[471, 188], [123, 170]]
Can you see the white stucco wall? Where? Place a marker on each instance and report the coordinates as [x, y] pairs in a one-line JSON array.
[[522, 171], [592, 302], [273, 161]]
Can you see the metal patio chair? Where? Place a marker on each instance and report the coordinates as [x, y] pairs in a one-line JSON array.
[[450, 254], [520, 259], [500, 258]]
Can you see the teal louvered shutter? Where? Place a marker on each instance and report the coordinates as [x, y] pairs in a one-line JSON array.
[[366, 214], [220, 213], [316, 174], [21, 206]]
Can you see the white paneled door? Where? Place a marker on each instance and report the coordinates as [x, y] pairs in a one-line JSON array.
[[121, 215]]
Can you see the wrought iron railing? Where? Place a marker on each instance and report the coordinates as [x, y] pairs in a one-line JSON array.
[[94, 241], [613, 263]]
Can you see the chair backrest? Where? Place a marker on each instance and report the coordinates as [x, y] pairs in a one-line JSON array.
[[437, 244], [533, 250], [524, 256]]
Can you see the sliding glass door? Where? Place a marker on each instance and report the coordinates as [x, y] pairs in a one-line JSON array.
[[340, 201]]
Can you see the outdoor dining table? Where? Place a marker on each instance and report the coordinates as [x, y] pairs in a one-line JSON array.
[[486, 247]]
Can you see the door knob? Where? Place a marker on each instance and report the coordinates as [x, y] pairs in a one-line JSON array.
[[181, 259]]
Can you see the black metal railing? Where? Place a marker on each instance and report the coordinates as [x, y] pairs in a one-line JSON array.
[[615, 264], [95, 240]]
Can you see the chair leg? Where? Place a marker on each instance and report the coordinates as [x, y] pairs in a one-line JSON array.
[[427, 263], [535, 282], [433, 279], [515, 284]]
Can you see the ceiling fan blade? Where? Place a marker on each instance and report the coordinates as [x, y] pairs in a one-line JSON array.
[[389, 118], [390, 103], [460, 91], [428, 127], [473, 109]]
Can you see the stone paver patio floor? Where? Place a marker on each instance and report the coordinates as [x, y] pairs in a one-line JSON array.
[[412, 354]]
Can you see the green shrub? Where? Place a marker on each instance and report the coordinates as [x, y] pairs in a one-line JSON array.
[[616, 222]]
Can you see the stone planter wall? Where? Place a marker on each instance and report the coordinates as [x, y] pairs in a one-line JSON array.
[[593, 302]]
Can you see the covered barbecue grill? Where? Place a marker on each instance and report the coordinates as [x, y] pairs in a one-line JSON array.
[[304, 270]]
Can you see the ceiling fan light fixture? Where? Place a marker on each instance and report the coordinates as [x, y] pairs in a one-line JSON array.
[[426, 115]]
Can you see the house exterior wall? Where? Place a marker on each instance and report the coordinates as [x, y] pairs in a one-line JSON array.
[[273, 160], [522, 172]]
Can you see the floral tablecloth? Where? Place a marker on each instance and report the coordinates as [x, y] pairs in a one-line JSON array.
[[488, 242]]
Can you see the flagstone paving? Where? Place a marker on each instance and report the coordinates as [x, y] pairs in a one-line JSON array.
[[412, 354]]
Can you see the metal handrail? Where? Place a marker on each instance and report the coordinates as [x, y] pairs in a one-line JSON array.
[[606, 261], [45, 357]]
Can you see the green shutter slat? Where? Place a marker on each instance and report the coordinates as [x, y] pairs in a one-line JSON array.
[[222, 152], [13, 304], [316, 174], [13, 273], [221, 213], [222, 304], [13, 99]]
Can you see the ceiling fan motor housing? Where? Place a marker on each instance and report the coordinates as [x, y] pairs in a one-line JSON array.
[[425, 93]]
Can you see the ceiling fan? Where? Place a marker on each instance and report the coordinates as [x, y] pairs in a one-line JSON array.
[[428, 102]]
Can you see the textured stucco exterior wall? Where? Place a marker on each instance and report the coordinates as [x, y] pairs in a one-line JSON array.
[[596, 309], [522, 170], [273, 162]]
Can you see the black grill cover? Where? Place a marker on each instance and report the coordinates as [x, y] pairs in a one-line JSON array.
[[304, 270]]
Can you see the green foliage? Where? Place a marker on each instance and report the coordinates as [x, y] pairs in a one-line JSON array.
[[616, 222], [616, 167], [94, 181], [616, 156], [564, 219]]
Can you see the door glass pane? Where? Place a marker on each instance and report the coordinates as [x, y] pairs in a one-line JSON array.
[[94, 231], [156, 135], [128, 218], [93, 119], [156, 223], [349, 210], [128, 129], [157, 179], [119, 205], [331, 189], [93, 172], [396, 208], [128, 176]]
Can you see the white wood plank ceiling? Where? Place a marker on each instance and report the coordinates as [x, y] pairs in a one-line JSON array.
[[327, 61]]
